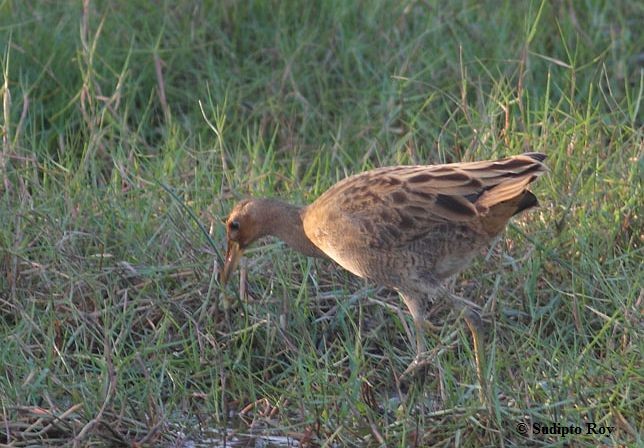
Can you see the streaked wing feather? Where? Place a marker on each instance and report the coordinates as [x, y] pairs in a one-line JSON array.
[[399, 204]]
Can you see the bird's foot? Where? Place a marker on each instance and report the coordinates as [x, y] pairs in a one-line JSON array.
[[417, 366]]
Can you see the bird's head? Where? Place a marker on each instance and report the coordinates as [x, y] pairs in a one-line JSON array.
[[244, 225]]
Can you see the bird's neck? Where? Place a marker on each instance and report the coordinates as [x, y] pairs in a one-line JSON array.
[[284, 221]]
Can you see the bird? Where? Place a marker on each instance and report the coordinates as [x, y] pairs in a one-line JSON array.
[[407, 227]]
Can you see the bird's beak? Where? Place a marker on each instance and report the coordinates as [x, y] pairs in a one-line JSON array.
[[233, 254]]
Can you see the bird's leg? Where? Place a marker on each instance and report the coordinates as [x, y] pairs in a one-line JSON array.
[[473, 321], [475, 325], [417, 312]]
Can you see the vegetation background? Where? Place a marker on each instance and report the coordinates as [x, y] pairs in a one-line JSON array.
[[114, 330]]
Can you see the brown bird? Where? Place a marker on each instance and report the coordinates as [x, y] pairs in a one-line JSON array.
[[408, 228]]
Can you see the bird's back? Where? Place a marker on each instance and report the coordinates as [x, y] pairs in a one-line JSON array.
[[389, 223]]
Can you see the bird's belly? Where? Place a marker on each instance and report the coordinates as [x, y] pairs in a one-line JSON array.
[[438, 254], [449, 265], [347, 260]]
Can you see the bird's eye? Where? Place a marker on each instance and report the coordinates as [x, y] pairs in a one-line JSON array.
[[234, 225]]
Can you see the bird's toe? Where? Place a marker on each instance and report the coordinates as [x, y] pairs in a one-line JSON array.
[[417, 366]]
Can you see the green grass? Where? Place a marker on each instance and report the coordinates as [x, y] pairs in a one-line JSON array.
[[114, 329]]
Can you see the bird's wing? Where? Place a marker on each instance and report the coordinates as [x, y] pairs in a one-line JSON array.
[[395, 205]]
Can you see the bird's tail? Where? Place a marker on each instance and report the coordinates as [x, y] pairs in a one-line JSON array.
[[509, 194]]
